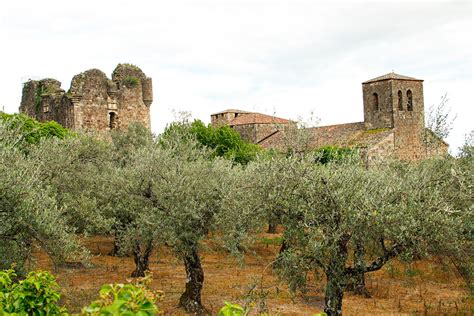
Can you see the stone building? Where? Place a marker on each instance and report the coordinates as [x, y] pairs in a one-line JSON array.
[[93, 102], [253, 127], [393, 124]]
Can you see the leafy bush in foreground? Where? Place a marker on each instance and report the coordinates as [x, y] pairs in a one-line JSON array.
[[125, 299], [30, 131], [37, 294]]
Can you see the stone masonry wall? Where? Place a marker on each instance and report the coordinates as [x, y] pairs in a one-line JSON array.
[[46, 101], [247, 131], [381, 117], [409, 125], [93, 102]]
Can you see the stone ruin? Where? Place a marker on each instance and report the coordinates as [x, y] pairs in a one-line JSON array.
[[93, 102]]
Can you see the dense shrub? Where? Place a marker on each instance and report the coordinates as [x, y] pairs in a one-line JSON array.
[[125, 299], [326, 154], [37, 294], [29, 131], [131, 81], [223, 140]]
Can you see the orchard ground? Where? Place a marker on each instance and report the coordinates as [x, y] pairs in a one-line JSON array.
[[428, 287]]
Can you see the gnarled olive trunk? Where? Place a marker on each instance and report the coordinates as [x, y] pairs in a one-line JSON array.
[[116, 250], [357, 281], [190, 300], [141, 259], [272, 227], [336, 276], [283, 248], [333, 295]]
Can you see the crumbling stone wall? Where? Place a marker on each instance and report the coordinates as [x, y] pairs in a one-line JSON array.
[[46, 101], [93, 102]]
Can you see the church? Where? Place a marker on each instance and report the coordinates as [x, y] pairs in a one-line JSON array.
[[393, 125]]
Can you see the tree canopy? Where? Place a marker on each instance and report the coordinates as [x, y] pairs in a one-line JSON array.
[[223, 140]]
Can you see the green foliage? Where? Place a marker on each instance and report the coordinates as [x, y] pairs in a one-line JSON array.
[[376, 130], [223, 140], [27, 131], [37, 294], [77, 173], [29, 208], [394, 210], [276, 241], [327, 154], [131, 81], [130, 66], [41, 91], [467, 149], [125, 143], [439, 119], [412, 272], [125, 299], [230, 309], [172, 193], [38, 98]]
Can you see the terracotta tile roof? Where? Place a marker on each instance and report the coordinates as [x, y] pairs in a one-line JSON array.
[[390, 76], [343, 135], [257, 118], [232, 111]]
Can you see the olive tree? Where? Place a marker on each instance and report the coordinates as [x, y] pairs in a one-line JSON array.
[[467, 149], [331, 209], [130, 201], [30, 214], [77, 171], [439, 119], [175, 190], [120, 185]]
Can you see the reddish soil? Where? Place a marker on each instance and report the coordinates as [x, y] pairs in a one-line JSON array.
[[425, 288]]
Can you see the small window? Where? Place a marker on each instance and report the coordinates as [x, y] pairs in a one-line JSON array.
[[409, 101], [113, 120], [400, 100], [375, 101]]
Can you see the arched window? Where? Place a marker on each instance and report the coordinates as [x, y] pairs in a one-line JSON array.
[[409, 101], [375, 101], [113, 120], [400, 100]]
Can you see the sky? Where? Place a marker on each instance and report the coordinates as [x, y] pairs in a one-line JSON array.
[[303, 60]]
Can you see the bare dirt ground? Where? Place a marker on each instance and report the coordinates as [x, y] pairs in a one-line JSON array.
[[426, 287]]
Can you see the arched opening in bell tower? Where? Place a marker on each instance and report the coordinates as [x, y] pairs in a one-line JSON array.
[[409, 100], [400, 100], [375, 101]]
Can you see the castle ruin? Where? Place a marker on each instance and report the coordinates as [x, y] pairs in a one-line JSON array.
[[93, 102]]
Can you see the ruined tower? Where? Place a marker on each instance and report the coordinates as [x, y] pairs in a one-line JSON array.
[[395, 102], [93, 102]]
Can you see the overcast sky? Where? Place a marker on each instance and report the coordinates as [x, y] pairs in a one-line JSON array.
[[288, 58]]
